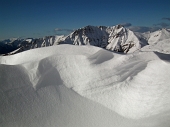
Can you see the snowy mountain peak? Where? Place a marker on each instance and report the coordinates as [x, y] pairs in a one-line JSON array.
[[159, 36], [89, 35], [122, 40], [115, 38]]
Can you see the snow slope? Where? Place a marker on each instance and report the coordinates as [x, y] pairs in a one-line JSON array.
[[159, 35], [73, 86], [162, 46], [159, 41]]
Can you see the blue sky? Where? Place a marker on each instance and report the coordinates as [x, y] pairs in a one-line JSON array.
[[37, 18]]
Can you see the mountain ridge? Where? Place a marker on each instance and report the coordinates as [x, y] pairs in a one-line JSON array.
[[114, 38]]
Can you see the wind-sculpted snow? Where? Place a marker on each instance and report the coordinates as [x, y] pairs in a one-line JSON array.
[[38, 88]]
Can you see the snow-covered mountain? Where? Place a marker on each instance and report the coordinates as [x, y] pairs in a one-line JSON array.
[[162, 46], [159, 36], [89, 35], [8, 40], [115, 38], [123, 40], [159, 41]]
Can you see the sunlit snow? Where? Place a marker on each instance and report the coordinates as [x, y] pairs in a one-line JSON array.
[[87, 86]]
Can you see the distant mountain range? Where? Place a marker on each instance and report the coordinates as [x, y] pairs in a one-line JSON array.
[[116, 38]]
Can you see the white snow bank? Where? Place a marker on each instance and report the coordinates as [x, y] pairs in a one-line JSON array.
[[134, 89]]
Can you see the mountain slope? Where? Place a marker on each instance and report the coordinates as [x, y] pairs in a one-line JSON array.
[[162, 46], [123, 40], [159, 36], [6, 48], [89, 35], [159, 41], [20, 45]]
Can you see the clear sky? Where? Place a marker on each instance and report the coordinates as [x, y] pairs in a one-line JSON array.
[[37, 18]]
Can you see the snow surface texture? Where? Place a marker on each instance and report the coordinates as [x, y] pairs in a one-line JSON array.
[[42, 87]]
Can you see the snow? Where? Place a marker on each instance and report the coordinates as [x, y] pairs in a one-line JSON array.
[[159, 36], [162, 46], [29, 40], [87, 86]]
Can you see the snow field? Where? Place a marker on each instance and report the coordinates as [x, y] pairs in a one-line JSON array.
[[42, 88]]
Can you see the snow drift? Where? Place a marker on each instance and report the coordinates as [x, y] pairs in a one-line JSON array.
[[72, 86]]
